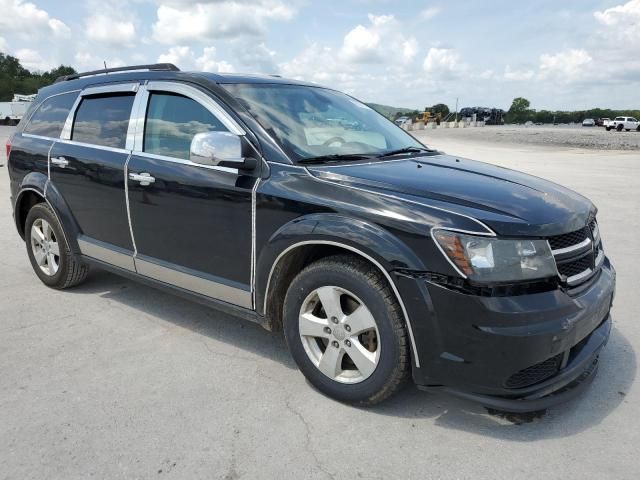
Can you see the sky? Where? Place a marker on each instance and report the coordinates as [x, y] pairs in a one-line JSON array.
[[561, 55]]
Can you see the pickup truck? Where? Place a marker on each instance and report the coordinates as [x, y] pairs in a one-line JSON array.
[[623, 123]]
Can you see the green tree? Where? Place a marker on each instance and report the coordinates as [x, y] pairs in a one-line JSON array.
[[440, 108], [14, 78], [519, 111]]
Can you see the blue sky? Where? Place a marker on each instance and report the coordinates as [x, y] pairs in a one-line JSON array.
[[560, 55]]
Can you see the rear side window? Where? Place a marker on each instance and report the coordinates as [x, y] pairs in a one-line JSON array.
[[48, 120], [103, 120], [172, 122]]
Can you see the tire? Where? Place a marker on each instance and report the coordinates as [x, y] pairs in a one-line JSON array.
[[382, 352], [627, 129], [638, 129], [68, 270], [608, 129], [619, 127]]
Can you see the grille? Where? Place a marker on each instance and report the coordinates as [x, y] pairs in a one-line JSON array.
[[575, 267], [536, 373], [568, 239]]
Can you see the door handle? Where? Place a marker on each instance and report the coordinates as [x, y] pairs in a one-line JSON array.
[[60, 161], [143, 178]]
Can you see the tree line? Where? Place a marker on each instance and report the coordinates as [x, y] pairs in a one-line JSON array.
[[14, 78], [520, 112]]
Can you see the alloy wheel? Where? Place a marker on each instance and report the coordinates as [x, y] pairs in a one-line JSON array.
[[45, 247], [339, 334]]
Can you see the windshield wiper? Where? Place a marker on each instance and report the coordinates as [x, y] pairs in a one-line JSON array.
[[404, 150], [337, 157]]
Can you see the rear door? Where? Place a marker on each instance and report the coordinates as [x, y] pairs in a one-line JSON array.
[[192, 223], [87, 167]]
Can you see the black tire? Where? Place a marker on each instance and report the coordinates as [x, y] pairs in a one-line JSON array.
[[370, 286], [71, 271], [638, 129], [619, 127], [628, 129], [608, 129]]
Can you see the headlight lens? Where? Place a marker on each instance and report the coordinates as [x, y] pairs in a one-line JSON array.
[[489, 259]]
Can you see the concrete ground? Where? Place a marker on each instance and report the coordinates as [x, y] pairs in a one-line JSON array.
[[117, 380]]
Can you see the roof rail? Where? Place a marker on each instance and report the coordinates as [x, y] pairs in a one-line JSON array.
[[164, 67]]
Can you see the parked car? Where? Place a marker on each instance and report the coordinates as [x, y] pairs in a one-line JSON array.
[[402, 121], [379, 258], [588, 122], [624, 123]]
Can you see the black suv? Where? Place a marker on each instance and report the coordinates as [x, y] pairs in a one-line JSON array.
[[300, 208]]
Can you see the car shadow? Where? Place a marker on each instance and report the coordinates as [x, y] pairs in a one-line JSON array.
[[617, 369], [187, 314]]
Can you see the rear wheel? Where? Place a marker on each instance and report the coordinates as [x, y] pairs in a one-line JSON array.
[[52, 261], [345, 330]]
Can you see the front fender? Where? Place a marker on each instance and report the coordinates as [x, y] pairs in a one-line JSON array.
[[356, 235]]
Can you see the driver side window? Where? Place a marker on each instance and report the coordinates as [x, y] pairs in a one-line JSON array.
[[172, 121]]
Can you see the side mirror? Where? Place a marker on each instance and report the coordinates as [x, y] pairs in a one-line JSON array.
[[223, 149]]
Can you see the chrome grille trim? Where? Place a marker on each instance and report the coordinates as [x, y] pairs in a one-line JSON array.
[[572, 248]]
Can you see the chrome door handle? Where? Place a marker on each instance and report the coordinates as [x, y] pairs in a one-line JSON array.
[[144, 178], [60, 161]]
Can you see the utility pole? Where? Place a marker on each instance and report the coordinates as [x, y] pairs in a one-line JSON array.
[[456, 109]]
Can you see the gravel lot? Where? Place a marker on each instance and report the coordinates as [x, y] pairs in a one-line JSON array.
[[557, 136], [117, 380]]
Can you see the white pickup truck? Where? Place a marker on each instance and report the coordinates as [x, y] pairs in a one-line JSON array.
[[623, 123]]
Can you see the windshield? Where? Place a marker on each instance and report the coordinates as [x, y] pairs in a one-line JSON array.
[[311, 122]]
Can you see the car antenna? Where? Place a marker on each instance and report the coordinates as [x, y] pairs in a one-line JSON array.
[[105, 66]]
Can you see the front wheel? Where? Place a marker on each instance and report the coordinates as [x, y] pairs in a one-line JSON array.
[[619, 127], [345, 330]]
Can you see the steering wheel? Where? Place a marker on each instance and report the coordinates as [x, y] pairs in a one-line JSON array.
[[340, 140]]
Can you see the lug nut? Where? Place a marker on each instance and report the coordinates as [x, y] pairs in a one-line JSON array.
[[347, 328], [327, 330], [334, 319], [347, 343], [335, 344]]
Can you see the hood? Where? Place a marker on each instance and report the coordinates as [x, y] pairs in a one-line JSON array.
[[510, 202]]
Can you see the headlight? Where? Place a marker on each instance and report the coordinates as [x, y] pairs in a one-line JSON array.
[[489, 259]]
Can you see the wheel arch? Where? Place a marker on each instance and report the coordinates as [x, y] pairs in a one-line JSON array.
[[288, 254], [36, 188]]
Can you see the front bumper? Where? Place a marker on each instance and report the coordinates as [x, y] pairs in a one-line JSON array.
[[474, 347]]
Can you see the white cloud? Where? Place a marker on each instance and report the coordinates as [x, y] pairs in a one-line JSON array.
[[255, 58], [443, 62], [109, 30], [4, 46], [429, 13], [623, 21], [518, 75], [85, 61], [32, 60], [185, 59], [409, 48], [361, 45], [379, 42], [27, 20], [568, 65], [179, 22]]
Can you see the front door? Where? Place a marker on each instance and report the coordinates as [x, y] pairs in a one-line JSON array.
[[192, 224]]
